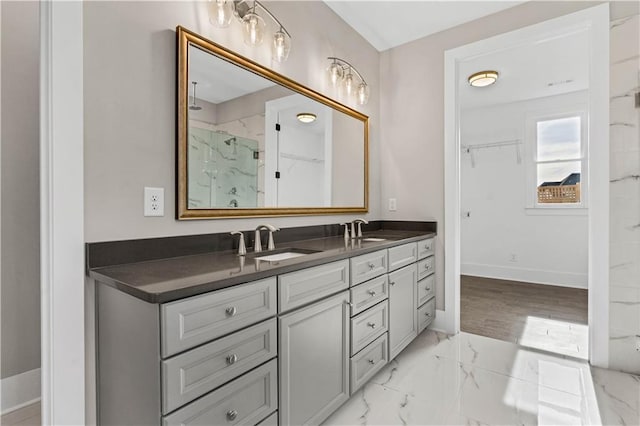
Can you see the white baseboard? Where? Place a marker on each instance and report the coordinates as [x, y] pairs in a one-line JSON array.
[[19, 391], [536, 276], [440, 323]]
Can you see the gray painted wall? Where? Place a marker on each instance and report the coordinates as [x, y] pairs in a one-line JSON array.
[[20, 188], [129, 57]]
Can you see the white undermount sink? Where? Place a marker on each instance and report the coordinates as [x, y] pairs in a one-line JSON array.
[[280, 256]]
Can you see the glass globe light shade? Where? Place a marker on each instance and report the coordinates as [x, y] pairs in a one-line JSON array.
[[220, 12], [335, 73], [281, 46], [253, 27], [349, 84], [363, 93]]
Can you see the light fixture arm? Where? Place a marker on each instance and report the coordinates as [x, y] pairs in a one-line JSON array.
[[346, 65], [241, 11]]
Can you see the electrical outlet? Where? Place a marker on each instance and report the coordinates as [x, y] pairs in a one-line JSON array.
[[153, 201], [392, 205]]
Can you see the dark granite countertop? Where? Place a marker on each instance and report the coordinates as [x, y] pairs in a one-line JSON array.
[[166, 280]]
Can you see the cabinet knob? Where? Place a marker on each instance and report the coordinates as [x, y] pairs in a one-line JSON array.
[[428, 289], [231, 415], [371, 361], [428, 314], [392, 283], [426, 266], [231, 359], [371, 324], [346, 302], [372, 292], [371, 265], [231, 311]]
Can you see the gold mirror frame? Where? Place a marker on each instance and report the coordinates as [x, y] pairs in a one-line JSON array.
[[185, 38]]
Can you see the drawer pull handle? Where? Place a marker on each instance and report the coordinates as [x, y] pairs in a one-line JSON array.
[[371, 361], [371, 324], [371, 265], [232, 359], [231, 415], [372, 293], [231, 311], [428, 288]]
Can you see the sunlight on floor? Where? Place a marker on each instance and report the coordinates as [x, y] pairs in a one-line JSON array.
[[562, 337]]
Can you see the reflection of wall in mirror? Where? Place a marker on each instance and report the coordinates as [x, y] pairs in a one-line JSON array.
[[348, 161]]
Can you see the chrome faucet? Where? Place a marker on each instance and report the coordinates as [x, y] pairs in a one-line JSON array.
[[359, 222], [242, 249], [257, 245]]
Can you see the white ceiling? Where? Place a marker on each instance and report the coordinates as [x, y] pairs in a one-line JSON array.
[[387, 24], [546, 68], [219, 80]]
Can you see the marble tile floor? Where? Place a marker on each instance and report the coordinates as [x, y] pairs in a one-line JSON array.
[[475, 380]]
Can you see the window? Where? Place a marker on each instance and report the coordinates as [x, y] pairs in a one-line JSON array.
[[558, 164]]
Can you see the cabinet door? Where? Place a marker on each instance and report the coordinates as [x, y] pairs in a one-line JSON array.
[[313, 351], [403, 294]]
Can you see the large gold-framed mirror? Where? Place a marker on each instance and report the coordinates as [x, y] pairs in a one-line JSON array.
[[252, 142]]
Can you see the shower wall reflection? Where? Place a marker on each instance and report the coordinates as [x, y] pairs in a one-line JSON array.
[[223, 167]]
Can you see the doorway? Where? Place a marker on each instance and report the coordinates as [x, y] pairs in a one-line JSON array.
[[593, 23]]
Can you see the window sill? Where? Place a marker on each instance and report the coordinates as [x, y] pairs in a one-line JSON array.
[[556, 211]]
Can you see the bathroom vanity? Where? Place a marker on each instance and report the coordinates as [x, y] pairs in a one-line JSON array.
[[217, 338]]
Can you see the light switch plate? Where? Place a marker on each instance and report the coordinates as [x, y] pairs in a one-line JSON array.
[[392, 205], [153, 201]]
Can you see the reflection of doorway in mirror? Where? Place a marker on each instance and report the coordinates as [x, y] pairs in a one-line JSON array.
[[223, 169], [298, 156]]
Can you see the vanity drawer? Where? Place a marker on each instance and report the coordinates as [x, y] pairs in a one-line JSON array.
[[402, 255], [426, 314], [368, 266], [368, 326], [308, 285], [426, 248], [246, 400], [199, 319], [194, 373], [367, 294], [369, 361], [426, 289], [426, 267]]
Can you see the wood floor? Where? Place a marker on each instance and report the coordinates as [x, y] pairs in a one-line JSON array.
[[540, 316], [25, 416]]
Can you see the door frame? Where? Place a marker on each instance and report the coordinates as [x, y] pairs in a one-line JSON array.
[[595, 21]]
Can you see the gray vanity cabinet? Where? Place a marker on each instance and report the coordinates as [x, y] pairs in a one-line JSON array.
[[403, 322], [314, 360]]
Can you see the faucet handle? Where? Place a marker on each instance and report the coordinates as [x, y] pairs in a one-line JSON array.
[[242, 249], [346, 230], [271, 245]]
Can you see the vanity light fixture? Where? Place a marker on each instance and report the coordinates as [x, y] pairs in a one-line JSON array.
[[306, 117], [193, 106], [342, 72], [253, 24], [483, 78]]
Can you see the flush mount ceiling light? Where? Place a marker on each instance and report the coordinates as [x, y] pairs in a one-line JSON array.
[[483, 78], [342, 73], [253, 24], [306, 117]]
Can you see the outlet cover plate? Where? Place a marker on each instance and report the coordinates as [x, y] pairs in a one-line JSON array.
[[153, 201]]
